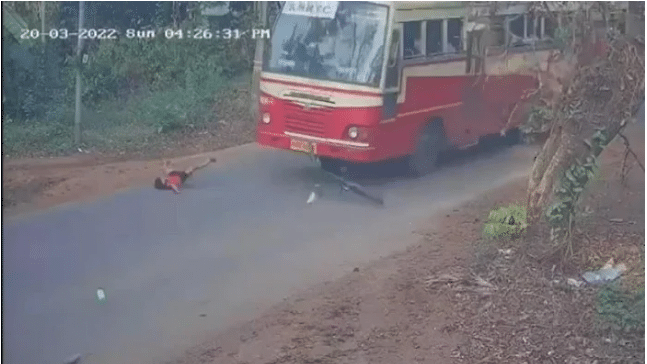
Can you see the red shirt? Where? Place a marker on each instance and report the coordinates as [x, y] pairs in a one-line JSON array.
[[175, 179]]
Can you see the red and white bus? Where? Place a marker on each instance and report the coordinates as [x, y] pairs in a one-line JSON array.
[[362, 82]]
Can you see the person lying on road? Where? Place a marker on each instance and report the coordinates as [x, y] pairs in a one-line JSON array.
[[173, 179]]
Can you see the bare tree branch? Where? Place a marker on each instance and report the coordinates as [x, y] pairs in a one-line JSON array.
[[629, 150]]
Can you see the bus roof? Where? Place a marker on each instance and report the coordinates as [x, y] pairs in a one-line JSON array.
[[425, 10], [425, 5], [418, 5], [419, 10]]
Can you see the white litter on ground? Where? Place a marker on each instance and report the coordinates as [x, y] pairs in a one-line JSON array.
[[101, 295], [608, 273], [312, 198]]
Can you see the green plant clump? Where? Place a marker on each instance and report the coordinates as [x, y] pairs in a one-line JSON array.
[[539, 119], [622, 308], [509, 221]]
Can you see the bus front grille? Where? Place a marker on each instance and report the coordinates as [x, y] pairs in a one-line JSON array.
[[306, 121]]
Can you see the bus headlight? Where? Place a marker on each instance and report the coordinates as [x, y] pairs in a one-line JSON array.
[[353, 132], [266, 118]]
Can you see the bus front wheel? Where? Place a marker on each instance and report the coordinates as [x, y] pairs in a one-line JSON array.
[[425, 157], [514, 137]]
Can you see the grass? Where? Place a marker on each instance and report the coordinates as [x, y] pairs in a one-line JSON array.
[[505, 222], [622, 308], [144, 121], [36, 137]]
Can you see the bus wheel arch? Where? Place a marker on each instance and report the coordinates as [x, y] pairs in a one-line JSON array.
[[430, 141]]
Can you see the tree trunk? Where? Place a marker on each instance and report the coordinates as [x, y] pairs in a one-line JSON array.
[[258, 59], [543, 159], [597, 97], [558, 153], [77, 109]]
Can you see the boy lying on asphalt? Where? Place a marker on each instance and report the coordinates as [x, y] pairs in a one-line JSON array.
[[173, 179]]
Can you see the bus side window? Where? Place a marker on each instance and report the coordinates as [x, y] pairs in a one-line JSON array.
[[413, 39], [454, 36], [434, 37]]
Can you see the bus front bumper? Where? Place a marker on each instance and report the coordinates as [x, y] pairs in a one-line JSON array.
[[321, 147]]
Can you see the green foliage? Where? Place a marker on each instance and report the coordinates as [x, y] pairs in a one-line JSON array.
[[123, 67], [30, 11], [173, 81], [509, 221], [562, 38], [622, 308], [54, 137], [133, 90], [126, 66], [132, 125], [571, 185], [180, 106], [539, 120], [31, 80], [598, 141]]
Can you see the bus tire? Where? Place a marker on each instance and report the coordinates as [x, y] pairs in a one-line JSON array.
[[515, 137], [424, 159]]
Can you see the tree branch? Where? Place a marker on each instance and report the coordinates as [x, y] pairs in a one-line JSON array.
[[628, 146]]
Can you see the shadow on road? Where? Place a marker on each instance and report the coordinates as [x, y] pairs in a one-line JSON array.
[[374, 178], [381, 173]]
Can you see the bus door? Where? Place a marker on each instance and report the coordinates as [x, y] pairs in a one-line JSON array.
[[500, 92], [393, 72], [391, 130], [475, 61], [475, 110]]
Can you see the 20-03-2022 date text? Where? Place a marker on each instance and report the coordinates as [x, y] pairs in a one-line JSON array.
[[110, 33]]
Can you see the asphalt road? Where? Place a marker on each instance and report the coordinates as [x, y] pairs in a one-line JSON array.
[[239, 238]]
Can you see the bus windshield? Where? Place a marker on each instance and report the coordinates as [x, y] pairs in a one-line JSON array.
[[335, 41]]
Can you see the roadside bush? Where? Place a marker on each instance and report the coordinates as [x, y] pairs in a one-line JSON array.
[[51, 137], [622, 308], [32, 81], [506, 222], [141, 87], [538, 121], [125, 66], [180, 106]]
